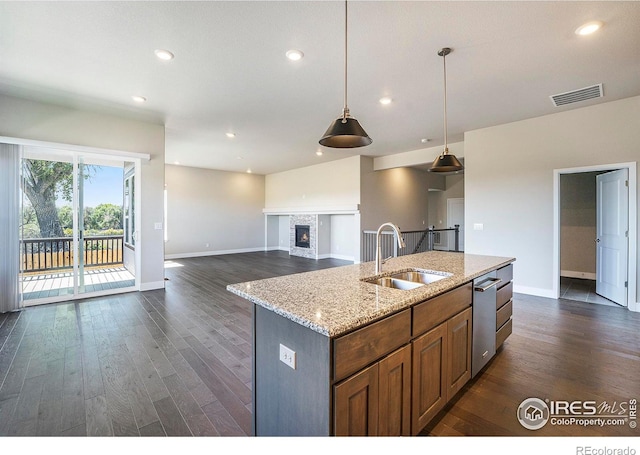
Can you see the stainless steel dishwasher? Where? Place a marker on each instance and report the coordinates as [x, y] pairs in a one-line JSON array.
[[484, 321]]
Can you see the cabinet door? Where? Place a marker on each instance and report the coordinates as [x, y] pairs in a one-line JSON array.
[[394, 408], [459, 332], [356, 404], [429, 367]]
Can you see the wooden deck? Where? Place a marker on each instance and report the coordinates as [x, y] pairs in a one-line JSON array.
[[54, 284]]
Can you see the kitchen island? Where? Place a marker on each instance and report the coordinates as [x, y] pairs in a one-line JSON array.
[[336, 354]]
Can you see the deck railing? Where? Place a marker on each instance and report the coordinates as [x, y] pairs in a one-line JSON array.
[[39, 255], [415, 241]]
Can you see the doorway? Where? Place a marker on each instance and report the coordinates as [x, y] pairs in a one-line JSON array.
[[72, 233], [586, 269], [455, 217]]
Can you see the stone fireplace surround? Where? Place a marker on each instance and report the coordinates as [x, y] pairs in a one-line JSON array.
[[321, 236], [305, 220]]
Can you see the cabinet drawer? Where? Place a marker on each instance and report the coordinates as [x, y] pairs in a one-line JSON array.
[[357, 349], [503, 295], [428, 314], [504, 313], [505, 274], [503, 333]]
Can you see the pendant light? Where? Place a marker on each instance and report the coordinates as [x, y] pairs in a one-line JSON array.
[[345, 132], [445, 162]]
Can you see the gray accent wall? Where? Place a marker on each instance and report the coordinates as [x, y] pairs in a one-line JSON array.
[[398, 195]]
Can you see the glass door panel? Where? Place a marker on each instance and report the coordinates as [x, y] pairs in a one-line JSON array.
[[46, 225], [101, 226], [72, 233]]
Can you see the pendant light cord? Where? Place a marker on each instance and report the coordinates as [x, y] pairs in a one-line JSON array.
[[444, 65], [345, 110]]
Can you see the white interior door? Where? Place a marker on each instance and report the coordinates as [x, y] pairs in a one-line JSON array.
[[612, 230], [455, 215]]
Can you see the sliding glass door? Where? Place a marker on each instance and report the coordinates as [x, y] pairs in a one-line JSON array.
[[72, 226]]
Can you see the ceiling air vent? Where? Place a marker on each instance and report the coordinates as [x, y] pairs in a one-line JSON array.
[[575, 96]]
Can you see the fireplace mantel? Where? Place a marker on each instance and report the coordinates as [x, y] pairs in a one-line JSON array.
[[330, 210]]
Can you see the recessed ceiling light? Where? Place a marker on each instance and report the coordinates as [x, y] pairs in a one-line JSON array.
[[319, 152], [294, 55], [176, 163], [138, 98], [425, 140], [163, 54], [248, 171], [239, 158], [385, 100], [589, 28], [231, 135]]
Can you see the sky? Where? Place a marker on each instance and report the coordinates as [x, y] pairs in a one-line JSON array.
[[104, 187]]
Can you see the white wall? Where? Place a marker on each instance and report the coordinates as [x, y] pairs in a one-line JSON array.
[[213, 212], [331, 184], [33, 120], [509, 180], [342, 239], [284, 232]]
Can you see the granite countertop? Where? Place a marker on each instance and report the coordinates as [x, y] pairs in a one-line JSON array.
[[336, 300]]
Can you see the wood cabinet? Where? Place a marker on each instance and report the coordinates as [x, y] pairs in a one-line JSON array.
[[377, 400], [441, 367], [377, 393], [459, 335], [504, 304], [429, 365]]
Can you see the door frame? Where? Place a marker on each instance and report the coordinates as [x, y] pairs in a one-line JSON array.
[[632, 271], [75, 150]]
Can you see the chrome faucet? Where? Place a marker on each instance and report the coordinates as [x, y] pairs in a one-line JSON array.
[[401, 244]]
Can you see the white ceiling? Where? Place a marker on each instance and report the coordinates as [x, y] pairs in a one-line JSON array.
[[230, 72]]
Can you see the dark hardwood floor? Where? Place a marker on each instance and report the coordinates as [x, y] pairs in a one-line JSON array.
[[177, 362]]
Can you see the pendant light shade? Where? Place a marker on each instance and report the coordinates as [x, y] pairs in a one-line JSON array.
[[445, 162], [345, 131]]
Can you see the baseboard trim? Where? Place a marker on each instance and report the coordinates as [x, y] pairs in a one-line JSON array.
[[342, 257], [581, 275], [212, 253], [152, 285], [538, 292], [277, 248]]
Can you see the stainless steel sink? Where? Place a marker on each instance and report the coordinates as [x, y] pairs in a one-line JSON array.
[[420, 276], [409, 279], [395, 283]]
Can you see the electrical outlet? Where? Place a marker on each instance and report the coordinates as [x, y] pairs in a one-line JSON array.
[[287, 356]]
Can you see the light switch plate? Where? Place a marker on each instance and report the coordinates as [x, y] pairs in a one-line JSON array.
[[478, 226], [288, 356], [158, 226]]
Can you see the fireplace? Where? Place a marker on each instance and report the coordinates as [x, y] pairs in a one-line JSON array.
[[303, 236]]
